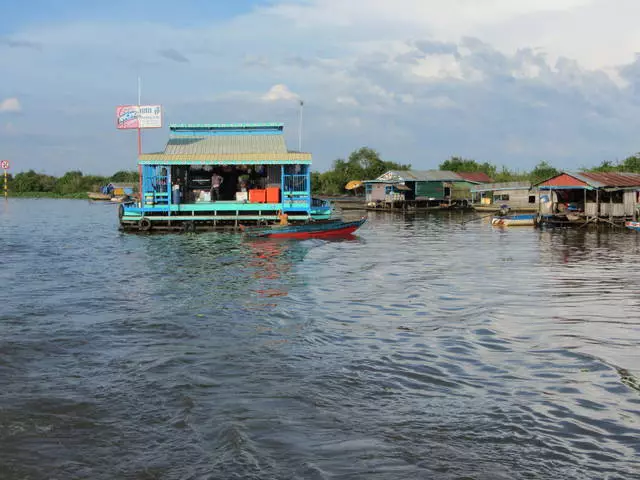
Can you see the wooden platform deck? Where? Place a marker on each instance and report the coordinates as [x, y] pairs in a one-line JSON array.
[[210, 215], [219, 206]]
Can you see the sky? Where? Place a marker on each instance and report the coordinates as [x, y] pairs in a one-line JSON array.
[[512, 82]]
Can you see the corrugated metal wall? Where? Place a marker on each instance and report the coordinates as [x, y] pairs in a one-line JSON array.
[[517, 198], [629, 203], [461, 191], [430, 190], [377, 192]]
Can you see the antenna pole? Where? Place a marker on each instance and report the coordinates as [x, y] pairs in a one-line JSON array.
[[139, 130], [300, 126], [139, 143]]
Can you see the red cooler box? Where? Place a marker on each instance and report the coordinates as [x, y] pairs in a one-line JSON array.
[[257, 196], [273, 195]]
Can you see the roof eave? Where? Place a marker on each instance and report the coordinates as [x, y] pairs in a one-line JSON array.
[[226, 159]]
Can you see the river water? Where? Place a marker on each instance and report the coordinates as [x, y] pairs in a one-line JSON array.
[[418, 349]]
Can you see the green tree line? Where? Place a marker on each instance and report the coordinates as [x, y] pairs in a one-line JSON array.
[[540, 172], [72, 183], [366, 164], [362, 164]]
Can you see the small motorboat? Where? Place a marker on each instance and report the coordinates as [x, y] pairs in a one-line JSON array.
[[514, 220], [313, 229], [633, 226]]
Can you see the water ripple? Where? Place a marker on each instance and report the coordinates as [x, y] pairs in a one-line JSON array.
[[418, 349]]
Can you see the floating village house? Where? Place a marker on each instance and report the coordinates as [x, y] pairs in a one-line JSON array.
[[591, 196], [516, 195], [421, 188], [261, 179]]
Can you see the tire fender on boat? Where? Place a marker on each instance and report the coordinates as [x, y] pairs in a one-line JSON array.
[[144, 225], [188, 227]]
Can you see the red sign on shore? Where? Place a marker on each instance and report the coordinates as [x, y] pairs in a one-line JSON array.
[[4, 164]]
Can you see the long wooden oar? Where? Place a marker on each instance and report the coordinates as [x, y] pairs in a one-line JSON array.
[[478, 218]]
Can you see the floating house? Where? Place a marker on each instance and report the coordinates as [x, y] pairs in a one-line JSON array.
[[586, 197], [518, 196], [223, 175], [419, 189]]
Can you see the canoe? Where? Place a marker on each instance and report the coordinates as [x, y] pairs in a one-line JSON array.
[[514, 220], [319, 229], [99, 196], [633, 226], [121, 199]]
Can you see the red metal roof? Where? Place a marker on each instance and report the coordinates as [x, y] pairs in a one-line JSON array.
[[594, 180], [613, 179], [478, 177], [564, 180]]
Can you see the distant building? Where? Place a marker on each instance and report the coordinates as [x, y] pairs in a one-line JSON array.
[[432, 187], [515, 195], [591, 195]]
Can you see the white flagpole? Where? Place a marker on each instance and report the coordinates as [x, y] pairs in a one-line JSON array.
[[139, 131], [300, 127]]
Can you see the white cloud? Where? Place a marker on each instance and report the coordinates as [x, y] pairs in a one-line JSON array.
[[460, 74], [527, 70], [440, 102], [280, 92], [438, 67], [10, 105], [406, 98], [598, 33], [347, 100]]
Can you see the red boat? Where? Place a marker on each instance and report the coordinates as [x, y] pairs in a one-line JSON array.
[[317, 229]]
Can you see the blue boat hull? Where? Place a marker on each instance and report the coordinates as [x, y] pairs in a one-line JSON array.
[[633, 226], [514, 220], [329, 228]]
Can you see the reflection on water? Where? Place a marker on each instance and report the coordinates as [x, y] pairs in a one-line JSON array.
[[416, 349]]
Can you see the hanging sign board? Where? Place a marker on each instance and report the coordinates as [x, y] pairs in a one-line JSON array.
[[138, 116]]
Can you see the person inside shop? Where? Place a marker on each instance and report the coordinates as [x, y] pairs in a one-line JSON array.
[[176, 192], [216, 182]]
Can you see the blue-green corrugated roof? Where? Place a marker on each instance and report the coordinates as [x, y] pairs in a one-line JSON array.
[[226, 144], [418, 176]]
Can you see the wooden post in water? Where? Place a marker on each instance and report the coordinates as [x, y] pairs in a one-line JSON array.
[[4, 164], [610, 207], [539, 219]]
